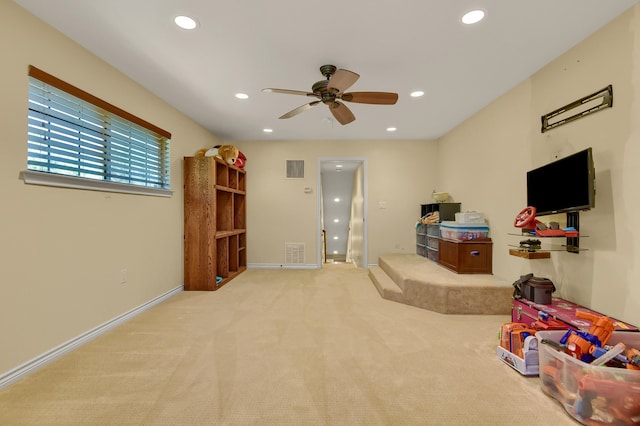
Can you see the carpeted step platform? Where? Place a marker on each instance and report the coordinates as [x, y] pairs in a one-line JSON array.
[[416, 281]]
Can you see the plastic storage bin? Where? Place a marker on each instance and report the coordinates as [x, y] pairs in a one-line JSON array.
[[591, 394], [470, 217], [463, 232]]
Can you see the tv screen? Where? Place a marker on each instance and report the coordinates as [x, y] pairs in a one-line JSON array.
[[564, 185]]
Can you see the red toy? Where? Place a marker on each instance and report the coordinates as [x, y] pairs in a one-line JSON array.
[[241, 160], [526, 217], [600, 399]]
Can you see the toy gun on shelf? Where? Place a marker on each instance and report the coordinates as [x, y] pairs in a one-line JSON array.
[[580, 344]]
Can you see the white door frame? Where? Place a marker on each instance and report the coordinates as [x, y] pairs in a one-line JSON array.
[[363, 160]]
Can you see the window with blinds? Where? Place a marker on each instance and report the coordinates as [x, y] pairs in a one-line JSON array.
[[74, 134]]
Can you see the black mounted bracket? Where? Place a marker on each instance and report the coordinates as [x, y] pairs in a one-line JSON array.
[[580, 108]]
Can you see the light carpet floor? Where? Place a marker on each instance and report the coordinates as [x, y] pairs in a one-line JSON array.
[[286, 347]]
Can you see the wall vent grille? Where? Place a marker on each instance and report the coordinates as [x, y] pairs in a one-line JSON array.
[[294, 253], [295, 169]]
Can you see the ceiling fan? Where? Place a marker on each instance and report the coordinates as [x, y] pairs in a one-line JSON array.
[[331, 91]]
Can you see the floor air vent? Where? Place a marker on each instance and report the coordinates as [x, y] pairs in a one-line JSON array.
[[295, 169], [294, 253]]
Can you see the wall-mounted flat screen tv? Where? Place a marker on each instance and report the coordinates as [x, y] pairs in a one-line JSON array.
[[565, 185]]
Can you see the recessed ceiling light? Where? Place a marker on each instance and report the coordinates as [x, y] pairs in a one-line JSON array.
[[417, 94], [185, 22], [267, 130], [391, 129], [242, 96], [473, 17], [336, 220], [336, 237], [337, 200]]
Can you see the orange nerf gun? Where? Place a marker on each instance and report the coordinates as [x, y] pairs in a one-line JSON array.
[[580, 344]]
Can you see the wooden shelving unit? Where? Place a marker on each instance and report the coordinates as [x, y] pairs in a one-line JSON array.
[[215, 235]]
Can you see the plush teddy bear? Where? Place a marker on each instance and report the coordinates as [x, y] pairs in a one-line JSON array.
[[228, 153]]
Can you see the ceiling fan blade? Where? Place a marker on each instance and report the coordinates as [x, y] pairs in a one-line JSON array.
[[342, 80], [378, 98], [289, 92], [342, 113], [300, 109]]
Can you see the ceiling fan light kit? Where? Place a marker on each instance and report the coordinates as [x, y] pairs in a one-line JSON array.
[[332, 90]]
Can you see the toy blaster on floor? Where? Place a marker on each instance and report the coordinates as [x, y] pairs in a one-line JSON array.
[[581, 344]]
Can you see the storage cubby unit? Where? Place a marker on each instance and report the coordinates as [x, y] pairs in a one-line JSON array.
[[447, 211], [433, 238], [421, 240], [214, 223], [427, 236]]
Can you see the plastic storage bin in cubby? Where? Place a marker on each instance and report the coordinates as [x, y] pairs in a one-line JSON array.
[[463, 232], [433, 229], [593, 395]]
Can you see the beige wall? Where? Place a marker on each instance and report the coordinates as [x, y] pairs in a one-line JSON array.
[[401, 173], [484, 162], [62, 250]]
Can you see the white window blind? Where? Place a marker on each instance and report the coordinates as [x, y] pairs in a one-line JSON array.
[[81, 136]]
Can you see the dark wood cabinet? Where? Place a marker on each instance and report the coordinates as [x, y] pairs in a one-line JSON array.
[[466, 257]]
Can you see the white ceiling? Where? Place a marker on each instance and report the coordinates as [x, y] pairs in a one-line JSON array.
[[395, 45]]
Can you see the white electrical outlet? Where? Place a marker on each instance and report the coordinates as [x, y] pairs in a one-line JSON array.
[[124, 276]]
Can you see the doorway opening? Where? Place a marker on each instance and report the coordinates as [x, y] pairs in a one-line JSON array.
[[342, 211]]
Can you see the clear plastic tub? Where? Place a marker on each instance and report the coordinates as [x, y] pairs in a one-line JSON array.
[[463, 232], [591, 394]]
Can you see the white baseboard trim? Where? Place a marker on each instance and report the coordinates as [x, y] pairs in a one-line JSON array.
[[29, 367], [283, 266]]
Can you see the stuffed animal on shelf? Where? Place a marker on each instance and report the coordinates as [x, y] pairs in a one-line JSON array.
[[241, 160], [228, 153]]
